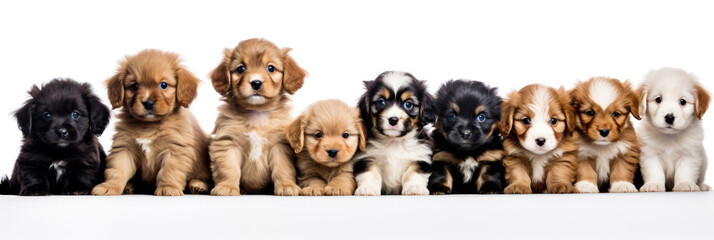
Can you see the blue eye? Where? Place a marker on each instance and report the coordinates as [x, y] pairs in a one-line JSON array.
[[408, 105], [616, 114], [452, 117], [46, 116], [271, 68], [75, 115], [135, 86], [240, 69], [381, 102], [526, 121], [164, 85], [481, 118], [553, 121]]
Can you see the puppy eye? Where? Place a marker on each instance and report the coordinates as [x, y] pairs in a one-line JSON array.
[[526, 121], [345, 135], [381, 102], [240, 69], [590, 112], [553, 121], [75, 115], [481, 118], [164, 85], [46, 116], [616, 114], [658, 99], [682, 102], [271, 68], [135, 86], [319, 135], [408, 105], [452, 117]]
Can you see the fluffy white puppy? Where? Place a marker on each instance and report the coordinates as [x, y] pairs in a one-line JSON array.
[[671, 133]]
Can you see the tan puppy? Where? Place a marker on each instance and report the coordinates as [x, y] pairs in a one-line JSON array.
[[325, 138], [609, 151], [156, 136], [249, 150]]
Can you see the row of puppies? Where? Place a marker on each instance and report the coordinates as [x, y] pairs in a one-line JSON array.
[[153, 151]]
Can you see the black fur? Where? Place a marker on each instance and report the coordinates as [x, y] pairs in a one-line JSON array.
[[49, 163], [449, 136]]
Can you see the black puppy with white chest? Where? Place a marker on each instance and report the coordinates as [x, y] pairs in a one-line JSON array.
[[60, 153], [468, 149]]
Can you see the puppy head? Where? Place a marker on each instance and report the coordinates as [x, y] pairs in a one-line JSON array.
[[62, 113], [330, 131], [538, 116], [395, 104], [256, 74], [671, 99], [469, 112], [603, 106], [151, 85]]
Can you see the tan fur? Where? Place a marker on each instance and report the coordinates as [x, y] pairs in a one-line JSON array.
[[249, 150], [168, 146], [702, 102]]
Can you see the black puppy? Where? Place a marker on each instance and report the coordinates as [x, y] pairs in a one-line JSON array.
[[468, 150], [60, 152]]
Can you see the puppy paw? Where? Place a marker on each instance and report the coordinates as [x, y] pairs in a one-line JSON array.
[[438, 189], [286, 189], [222, 190], [367, 190], [587, 187], [196, 186], [623, 187], [491, 188], [34, 191], [107, 189], [414, 189], [168, 191], [560, 188], [129, 188], [517, 189], [312, 191], [652, 187], [704, 187], [338, 191], [685, 187]]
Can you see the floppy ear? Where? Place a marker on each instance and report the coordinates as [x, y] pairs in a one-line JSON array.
[[363, 106], [221, 75], [24, 114], [295, 133], [574, 104], [428, 111], [293, 75], [568, 110], [362, 135], [115, 89], [187, 86], [505, 125], [642, 95], [98, 113], [702, 102]]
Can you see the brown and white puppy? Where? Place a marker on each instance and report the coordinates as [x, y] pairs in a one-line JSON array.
[[157, 138], [249, 151], [609, 151], [541, 147], [325, 138]]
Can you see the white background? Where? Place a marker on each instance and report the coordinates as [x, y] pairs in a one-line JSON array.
[[506, 44]]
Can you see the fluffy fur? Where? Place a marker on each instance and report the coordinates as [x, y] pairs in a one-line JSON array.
[[158, 144], [541, 146], [609, 151], [249, 151], [325, 138], [673, 157], [394, 110], [60, 152], [468, 149]]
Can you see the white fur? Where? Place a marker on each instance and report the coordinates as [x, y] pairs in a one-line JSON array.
[[674, 157], [602, 92], [586, 187], [467, 168], [58, 166], [256, 146], [622, 187], [540, 123], [393, 111], [602, 154], [396, 80], [145, 145]]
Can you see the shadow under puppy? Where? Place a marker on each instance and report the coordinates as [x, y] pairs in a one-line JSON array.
[[325, 138], [60, 152], [467, 143], [158, 144], [249, 151]]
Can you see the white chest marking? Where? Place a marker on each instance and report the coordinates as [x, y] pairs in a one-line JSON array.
[[602, 154], [602, 92], [145, 145], [256, 145], [467, 168], [58, 167]]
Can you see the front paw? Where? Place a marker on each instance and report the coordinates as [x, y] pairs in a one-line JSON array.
[[560, 188], [339, 191], [312, 191], [491, 188], [587, 187], [34, 191], [76, 191], [623, 187], [367, 190], [197, 186], [168, 191], [222, 190], [107, 189], [438, 189], [414, 189], [518, 189], [652, 187], [287, 189], [685, 187], [704, 187]]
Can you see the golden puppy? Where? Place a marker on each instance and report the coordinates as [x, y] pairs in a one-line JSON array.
[[325, 138], [249, 150], [157, 137], [609, 151], [537, 124]]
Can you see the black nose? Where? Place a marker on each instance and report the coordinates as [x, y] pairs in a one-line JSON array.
[[604, 132], [540, 141], [148, 105], [393, 121], [256, 84], [466, 134], [669, 119], [332, 152], [62, 133]]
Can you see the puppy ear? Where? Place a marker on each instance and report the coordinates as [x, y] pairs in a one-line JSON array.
[[568, 110], [24, 114], [293, 75], [362, 135], [702, 102], [221, 75], [187, 86], [115, 88], [634, 98], [505, 125], [574, 104], [363, 106], [98, 113], [428, 111], [295, 133], [642, 93]]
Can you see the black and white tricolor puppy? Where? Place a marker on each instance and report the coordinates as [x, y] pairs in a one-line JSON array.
[[394, 110], [468, 148]]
